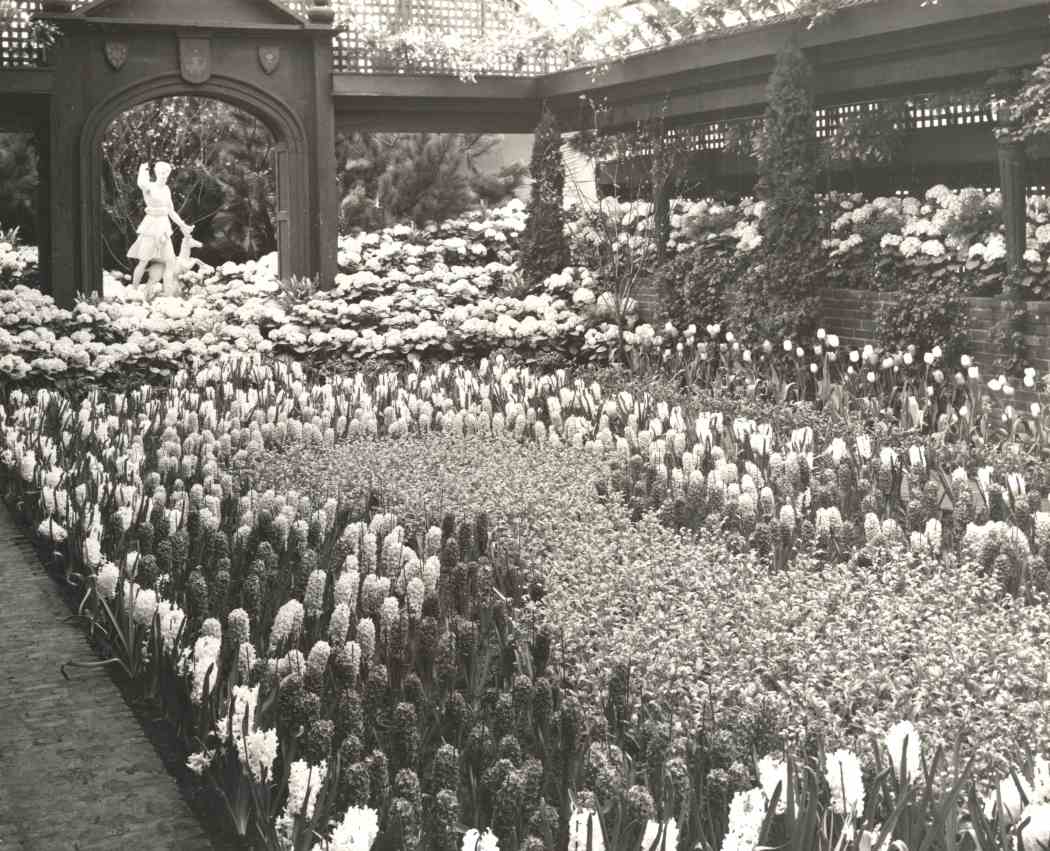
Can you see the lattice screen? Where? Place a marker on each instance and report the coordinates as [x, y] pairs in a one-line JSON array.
[[18, 47], [471, 19], [923, 113]]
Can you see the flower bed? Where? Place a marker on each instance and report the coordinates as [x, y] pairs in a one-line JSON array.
[[314, 644], [697, 619], [405, 605], [889, 242]]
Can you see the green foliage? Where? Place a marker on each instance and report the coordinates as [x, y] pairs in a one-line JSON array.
[[544, 249], [1011, 331], [869, 137], [18, 182], [222, 176], [765, 311], [1025, 110], [495, 189], [777, 296], [390, 178], [695, 285], [788, 164], [929, 312]]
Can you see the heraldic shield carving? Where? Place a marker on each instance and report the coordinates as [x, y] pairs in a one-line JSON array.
[[116, 54], [269, 58], [195, 59]]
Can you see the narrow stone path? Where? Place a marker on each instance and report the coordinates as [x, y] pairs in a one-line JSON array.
[[77, 772]]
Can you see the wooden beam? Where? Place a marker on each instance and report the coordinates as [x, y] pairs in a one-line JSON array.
[[890, 18], [402, 103], [419, 86], [394, 119], [25, 81], [949, 57]]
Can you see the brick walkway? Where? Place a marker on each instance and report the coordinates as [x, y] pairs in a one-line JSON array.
[[76, 770]]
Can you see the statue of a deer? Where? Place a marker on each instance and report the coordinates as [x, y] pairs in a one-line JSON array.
[[167, 276]]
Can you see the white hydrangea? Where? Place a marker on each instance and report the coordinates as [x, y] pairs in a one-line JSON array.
[[910, 246], [995, 249]]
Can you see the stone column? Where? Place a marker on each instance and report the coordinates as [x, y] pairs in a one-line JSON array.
[[1013, 183]]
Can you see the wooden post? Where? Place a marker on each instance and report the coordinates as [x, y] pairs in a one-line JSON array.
[[1012, 182], [43, 200], [661, 183], [325, 224], [662, 216]]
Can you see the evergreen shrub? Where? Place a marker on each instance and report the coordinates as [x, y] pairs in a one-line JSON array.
[[778, 295], [544, 248]]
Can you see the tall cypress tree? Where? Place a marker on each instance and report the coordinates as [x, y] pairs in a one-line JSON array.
[[544, 250], [789, 156], [779, 293]]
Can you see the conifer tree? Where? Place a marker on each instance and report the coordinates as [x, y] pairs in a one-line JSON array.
[[778, 295], [18, 184], [789, 163], [386, 178], [544, 249]]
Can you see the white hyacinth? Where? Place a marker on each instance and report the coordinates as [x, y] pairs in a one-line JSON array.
[[579, 822], [772, 772], [304, 782], [847, 783], [475, 840], [356, 832], [912, 756], [746, 814]]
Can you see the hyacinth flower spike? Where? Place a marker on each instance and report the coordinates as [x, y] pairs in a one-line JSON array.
[[140, 612]]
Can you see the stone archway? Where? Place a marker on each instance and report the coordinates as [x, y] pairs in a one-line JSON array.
[[291, 165], [253, 54]]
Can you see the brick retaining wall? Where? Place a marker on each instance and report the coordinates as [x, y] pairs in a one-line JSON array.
[[852, 315]]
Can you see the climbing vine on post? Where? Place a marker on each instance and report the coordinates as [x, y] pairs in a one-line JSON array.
[[1020, 116]]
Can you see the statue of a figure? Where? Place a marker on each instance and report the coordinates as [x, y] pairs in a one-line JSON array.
[[154, 234]]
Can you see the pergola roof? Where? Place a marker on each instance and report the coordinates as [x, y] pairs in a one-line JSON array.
[[627, 27], [868, 49]]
